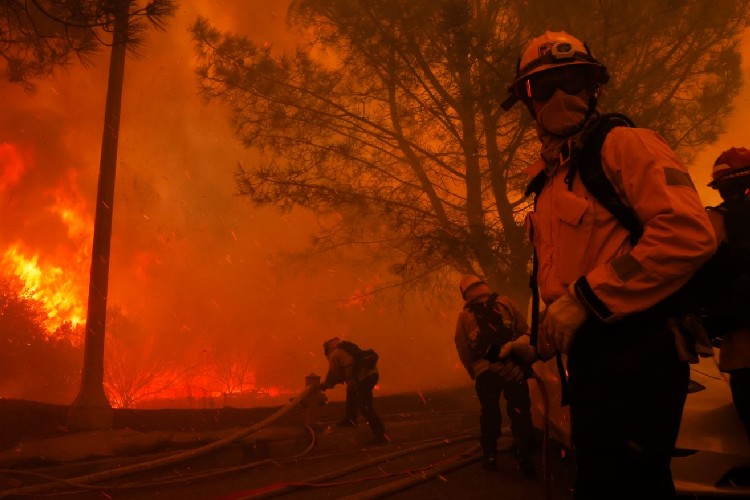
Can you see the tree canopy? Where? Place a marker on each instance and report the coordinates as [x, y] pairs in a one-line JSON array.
[[388, 120], [36, 36]]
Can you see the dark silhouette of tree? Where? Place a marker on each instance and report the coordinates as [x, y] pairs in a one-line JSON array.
[[389, 121], [34, 363], [36, 36]]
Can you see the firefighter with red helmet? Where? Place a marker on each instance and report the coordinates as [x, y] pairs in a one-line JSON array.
[[605, 286], [485, 312], [728, 318]]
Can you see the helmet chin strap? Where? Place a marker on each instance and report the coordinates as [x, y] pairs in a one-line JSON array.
[[593, 101]]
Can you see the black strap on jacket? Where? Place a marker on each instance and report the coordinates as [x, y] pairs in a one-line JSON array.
[[587, 163]]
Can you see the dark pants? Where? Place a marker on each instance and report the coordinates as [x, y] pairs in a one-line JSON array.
[[739, 382], [627, 391], [351, 403], [360, 395], [489, 386]]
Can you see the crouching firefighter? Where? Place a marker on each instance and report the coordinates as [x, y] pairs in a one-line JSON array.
[[349, 364], [617, 229], [486, 322]]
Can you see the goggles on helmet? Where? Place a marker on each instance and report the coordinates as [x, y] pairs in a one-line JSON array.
[[530, 84], [569, 79]]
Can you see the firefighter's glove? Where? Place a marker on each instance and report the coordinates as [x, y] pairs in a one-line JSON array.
[[508, 370], [561, 321], [519, 350]]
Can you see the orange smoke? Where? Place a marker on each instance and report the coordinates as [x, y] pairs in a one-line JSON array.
[[12, 164], [70, 206], [193, 267]]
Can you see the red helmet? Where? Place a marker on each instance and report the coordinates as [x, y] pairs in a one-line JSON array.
[[553, 49], [731, 164]]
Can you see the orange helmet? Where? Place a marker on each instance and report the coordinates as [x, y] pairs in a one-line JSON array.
[[731, 164], [553, 49]]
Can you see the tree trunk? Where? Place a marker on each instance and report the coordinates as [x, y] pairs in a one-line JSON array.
[[91, 409]]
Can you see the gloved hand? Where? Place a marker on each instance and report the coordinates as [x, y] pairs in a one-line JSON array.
[[561, 321], [544, 345], [519, 350], [508, 370]]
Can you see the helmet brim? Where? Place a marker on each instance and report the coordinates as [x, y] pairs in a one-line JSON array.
[[726, 178]]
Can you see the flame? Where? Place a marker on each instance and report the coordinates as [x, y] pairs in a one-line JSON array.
[[203, 389], [56, 287], [54, 275], [70, 206], [48, 284]]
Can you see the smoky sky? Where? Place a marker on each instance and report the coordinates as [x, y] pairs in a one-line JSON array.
[[198, 269]]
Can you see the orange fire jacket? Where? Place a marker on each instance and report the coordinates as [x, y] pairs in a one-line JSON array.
[[578, 240]]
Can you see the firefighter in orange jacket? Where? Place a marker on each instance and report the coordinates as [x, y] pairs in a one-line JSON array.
[[604, 293], [359, 385], [491, 378]]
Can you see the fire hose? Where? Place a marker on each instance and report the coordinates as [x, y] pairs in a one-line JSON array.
[[165, 482], [161, 462], [281, 489], [466, 458]]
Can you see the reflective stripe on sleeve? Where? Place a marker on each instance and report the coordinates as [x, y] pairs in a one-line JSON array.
[[626, 267], [677, 177]]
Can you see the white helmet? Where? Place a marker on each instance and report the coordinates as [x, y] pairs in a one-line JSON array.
[[469, 281]]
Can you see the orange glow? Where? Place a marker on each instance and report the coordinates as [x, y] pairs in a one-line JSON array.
[[49, 284], [197, 272], [362, 296], [52, 278], [12, 166], [70, 206]]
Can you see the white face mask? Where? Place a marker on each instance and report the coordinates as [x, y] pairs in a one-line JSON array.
[[563, 114]]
